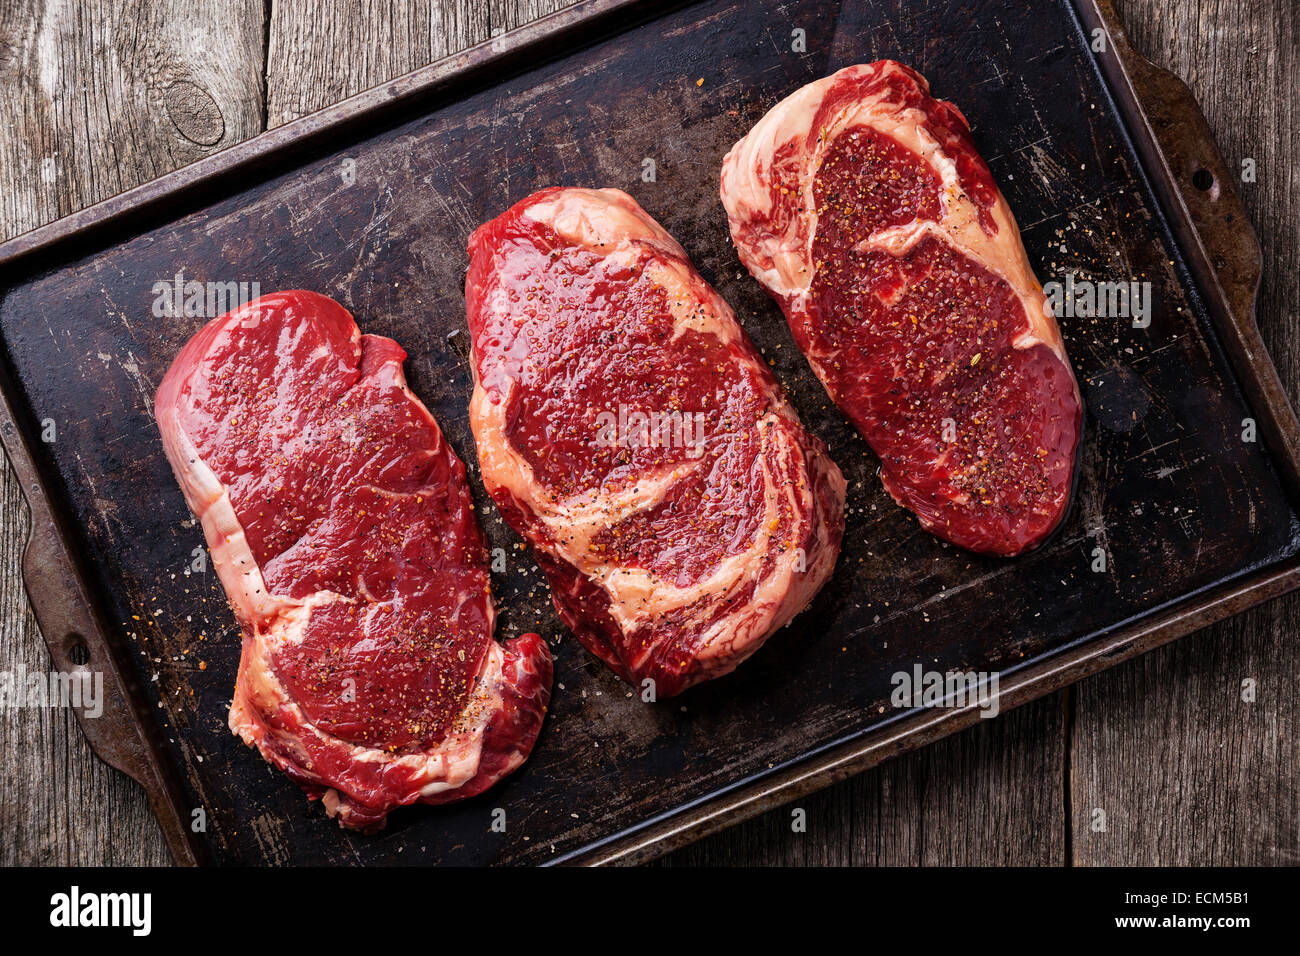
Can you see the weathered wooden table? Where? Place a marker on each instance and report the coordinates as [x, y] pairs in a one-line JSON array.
[[1183, 770]]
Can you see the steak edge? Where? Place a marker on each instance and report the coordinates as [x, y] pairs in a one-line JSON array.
[[671, 561], [862, 206], [342, 529]]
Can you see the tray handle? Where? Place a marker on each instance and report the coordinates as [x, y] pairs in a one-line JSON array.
[[1188, 172], [77, 643]]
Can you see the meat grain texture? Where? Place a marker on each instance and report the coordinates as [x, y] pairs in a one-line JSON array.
[[341, 527], [862, 206], [629, 430]]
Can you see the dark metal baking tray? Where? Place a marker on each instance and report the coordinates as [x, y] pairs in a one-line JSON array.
[[1102, 158]]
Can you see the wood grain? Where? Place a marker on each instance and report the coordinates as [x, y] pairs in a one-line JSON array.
[[320, 53], [102, 96]]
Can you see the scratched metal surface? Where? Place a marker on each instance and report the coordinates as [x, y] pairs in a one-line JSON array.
[[1168, 489]]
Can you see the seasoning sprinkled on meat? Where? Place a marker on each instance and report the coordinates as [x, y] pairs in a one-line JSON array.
[[862, 205], [629, 430], [341, 526]]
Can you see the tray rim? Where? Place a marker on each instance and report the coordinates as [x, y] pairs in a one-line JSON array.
[[1214, 235]]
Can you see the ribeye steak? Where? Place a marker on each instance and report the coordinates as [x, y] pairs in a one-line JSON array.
[[342, 529], [862, 206], [628, 429]]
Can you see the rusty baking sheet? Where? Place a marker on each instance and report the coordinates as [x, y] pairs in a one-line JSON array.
[[371, 201]]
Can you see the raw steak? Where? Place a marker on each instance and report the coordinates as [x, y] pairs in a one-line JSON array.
[[861, 205], [627, 427], [342, 529]]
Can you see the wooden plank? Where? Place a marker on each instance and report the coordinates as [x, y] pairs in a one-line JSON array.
[[1184, 769], [507, 14], [990, 796], [98, 97], [320, 53], [103, 96]]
